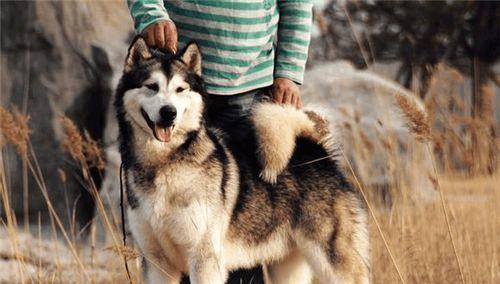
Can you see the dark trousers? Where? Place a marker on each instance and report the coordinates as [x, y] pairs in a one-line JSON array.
[[226, 113]]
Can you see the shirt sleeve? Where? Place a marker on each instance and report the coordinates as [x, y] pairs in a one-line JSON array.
[[294, 36], [146, 12]]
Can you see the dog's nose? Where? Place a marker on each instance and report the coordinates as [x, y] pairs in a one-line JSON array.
[[167, 114]]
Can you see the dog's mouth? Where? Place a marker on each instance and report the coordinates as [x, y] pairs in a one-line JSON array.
[[162, 133]]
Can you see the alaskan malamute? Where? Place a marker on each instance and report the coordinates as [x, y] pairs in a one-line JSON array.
[[203, 203]]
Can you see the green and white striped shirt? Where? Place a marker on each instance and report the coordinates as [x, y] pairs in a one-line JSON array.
[[245, 43]]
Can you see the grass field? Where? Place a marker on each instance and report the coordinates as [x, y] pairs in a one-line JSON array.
[[418, 236]]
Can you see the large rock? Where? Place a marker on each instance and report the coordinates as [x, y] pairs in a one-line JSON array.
[[371, 129], [57, 58]]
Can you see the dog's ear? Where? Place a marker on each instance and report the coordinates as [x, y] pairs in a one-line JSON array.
[[138, 52], [192, 57]]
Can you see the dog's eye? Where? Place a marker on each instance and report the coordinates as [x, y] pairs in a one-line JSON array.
[[153, 87], [180, 89]]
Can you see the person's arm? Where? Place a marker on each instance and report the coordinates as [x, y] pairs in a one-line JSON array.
[[294, 34], [152, 21]]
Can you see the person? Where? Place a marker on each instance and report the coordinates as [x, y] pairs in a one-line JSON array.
[[251, 50]]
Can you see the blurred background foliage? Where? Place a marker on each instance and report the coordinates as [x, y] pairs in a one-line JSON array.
[[418, 36]]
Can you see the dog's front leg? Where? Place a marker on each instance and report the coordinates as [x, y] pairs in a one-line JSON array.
[[206, 265]]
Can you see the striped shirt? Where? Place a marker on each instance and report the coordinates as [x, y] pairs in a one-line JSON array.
[[245, 44]]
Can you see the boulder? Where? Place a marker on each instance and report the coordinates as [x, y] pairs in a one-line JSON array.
[[57, 59], [371, 129]]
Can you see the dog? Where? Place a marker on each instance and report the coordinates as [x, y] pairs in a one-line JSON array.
[[203, 203]]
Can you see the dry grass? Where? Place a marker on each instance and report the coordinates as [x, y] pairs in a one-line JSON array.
[[452, 239], [15, 130], [416, 117], [18, 247], [419, 238]]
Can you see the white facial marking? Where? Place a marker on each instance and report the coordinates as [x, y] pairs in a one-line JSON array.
[[175, 92]]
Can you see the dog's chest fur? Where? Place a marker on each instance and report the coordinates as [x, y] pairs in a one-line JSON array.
[[173, 208], [174, 202]]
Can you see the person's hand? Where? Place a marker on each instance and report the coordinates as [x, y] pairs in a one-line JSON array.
[[285, 91], [162, 35]]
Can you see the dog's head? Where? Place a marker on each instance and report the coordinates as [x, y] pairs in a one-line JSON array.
[[161, 94]]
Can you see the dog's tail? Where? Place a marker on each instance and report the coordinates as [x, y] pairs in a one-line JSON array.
[[277, 128]]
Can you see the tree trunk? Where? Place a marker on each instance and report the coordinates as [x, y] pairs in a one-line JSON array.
[[483, 133]]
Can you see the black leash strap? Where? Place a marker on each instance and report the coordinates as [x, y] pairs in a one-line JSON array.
[[124, 232]]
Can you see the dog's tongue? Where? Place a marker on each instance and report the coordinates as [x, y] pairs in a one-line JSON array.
[[163, 133]]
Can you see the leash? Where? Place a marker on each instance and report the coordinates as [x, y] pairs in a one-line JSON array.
[[124, 233]]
